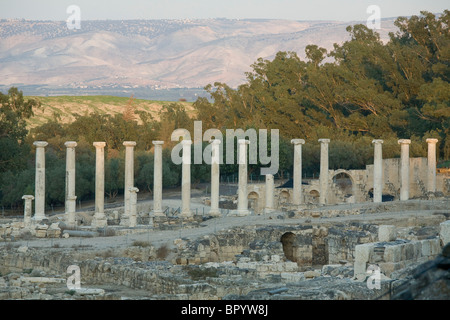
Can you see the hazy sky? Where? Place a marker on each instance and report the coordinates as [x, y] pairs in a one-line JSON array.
[[344, 10]]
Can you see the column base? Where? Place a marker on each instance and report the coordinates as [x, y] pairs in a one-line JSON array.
[[269, 210], [38, 218], [215, 213], [99, 221], [157, 213], [133, 222], [70, 219], [186, 214], [125, 221], [239, 213]]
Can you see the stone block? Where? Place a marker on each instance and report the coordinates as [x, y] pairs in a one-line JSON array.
[[444, 232], [430, 247], [392, 254], [360, 268], [386, 233], [364, 252]]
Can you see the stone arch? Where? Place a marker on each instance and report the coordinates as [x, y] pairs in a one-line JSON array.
[[253, 199], [346, 185], [287, 240], [314, 195], [285, 197]]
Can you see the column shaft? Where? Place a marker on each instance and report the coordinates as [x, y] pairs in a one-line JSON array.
[[378, 171], [157, 179], [186, 180], [28, 208], [270, 192], [129, 179], [297, 196], [133, 210], [99, 216], [323, 179], [215, 178], [70, 182], [431, 174], [404, 169], [242, 192], [40, 180]]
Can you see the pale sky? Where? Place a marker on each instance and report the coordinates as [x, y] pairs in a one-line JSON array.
[[343, 10]]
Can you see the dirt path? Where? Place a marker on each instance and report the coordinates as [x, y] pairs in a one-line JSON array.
[[159, 237]]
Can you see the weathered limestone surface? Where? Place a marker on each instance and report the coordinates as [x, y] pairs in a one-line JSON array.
[[215, 178], [129, 180], [444, 232], [186, 180], [377, 171], [323, 179], [39, 192], [99, 215], [242, 208], [431, 172], [404, 169], [157, 179], [70, 183], [297, 196], [28, 208]]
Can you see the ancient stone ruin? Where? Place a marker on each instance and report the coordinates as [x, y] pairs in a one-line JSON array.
[[314, 240]]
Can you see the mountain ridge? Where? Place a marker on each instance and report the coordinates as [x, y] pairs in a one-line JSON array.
[[156, 54]]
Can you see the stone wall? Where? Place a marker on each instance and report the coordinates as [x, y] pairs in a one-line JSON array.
[[394, 255]]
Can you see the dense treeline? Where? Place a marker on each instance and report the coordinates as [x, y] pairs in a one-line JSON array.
[[362, 90]]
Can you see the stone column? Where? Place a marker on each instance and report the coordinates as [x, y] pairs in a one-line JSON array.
[[157, 179], [39, 189], [404, 169], [431, 174], [28, 208], [99, 216], [71, 199], [323, 179], [129, 180], [242, 209], [297, 190], [270, 191], [215, 178], [186, 180], [378, 171], [133, 202]]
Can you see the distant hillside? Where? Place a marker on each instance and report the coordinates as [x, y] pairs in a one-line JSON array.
[[64, 108], [107, 56]]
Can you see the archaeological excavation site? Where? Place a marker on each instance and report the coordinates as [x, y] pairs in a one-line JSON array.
[[381, 233]]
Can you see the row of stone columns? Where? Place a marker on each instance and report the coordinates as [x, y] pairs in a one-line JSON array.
[[130, 197], [378, 169]]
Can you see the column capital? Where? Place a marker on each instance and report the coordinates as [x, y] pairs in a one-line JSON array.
[[215, 141], [376, 141], [99, 144], [134, 189], [297, 141], [156, 142], [28, 197], [40, 144], [324, 140], [70, 144], [404, 141], [432, 141], [129, 143], [243, 141]]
